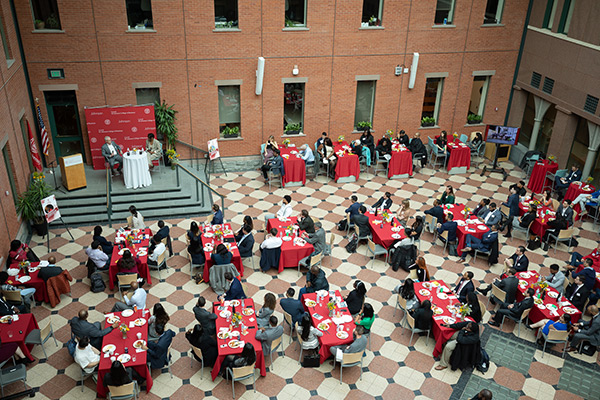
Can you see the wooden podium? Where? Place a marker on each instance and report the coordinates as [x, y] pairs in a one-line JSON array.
[[72, 172]]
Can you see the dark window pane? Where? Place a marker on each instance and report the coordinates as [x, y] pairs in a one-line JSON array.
[[139, 14], [45, 13]]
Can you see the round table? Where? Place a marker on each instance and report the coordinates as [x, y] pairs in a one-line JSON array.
[[538, 175], [135, 170]]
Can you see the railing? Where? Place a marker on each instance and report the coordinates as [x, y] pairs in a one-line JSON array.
[[196, 154], [199, 193], [109, 197]]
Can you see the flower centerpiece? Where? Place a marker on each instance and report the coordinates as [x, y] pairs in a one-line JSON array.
[[389, 133], [219, 233], [552, 158], [289, 230], [331, 307], [466, 211], [286, 143], [124, 329], [589, 180], [464, 310], [341, 139], [173, 156], [385, 215], [236, 319]]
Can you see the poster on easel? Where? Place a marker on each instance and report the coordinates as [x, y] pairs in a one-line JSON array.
[[50, 208], [213, 149]]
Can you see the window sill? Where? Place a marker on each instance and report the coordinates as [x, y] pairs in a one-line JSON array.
[[444, 26], [227, 30], [140, 31], [230, 139], [491, 25], [291, 136], [430, 127], [295, 28], [361, 132], [369, 28], [47, 31], [9, 63], [474, 125]]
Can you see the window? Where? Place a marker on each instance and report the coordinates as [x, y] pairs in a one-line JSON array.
[[229, 111], [147, 96], [5, 43], [295, 13], [226, 14], [550, 14], [293, 107], [45, 14], [365, 102], [444, 12], [565, 17], [139, 14], [478, 98], [372, 13], [431, 101], [528, 121], [493, 12]]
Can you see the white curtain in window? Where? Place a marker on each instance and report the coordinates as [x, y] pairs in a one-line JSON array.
[[364, 101], [229, 104]]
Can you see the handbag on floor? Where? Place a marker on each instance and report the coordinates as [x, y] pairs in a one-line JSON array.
[[312, 360]]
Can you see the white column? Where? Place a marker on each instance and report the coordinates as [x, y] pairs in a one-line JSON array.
[[594, 132], [541, 106]]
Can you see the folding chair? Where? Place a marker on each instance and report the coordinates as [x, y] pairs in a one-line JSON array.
[[11, 375], [518, 320], [275, 344], [124, 282], [41, 336], [160, 262], [240, 374], [123, 392], [314, 260], [380, 162], [410, 321], [376, 250], [554, 337], [564, 235], [198, 353], [350, 360], [192, 266], [497, 293]]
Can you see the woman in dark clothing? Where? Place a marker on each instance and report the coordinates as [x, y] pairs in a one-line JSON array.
[[247, 221], [247, 357], [367, 140], [356, 298], [442, 141], [423, 316], [107, 247], [421, 269], [417, 228], [119, 375], [195, 244], [127, 264], [476, 312], [206, 343], [159, 317], [221, 255], [384, 146]]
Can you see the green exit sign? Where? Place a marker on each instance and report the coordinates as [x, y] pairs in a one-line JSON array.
[[56, 73]]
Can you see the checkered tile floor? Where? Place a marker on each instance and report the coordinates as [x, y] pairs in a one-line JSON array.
[[392, 370]]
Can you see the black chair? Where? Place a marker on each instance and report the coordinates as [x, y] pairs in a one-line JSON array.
[[269, 258]]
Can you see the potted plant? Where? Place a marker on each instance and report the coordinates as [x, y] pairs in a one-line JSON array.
[[165, 122], [474, 119], [293, 129], [363, 125], [29, 204], [427, 121], [52, 22], [39, 24], [373, 21], [231, 132]]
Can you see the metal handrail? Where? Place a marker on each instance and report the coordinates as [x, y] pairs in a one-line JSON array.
[[108, 197], [199, 181], [196, 149]]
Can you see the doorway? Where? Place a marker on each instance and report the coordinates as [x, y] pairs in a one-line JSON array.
[[63, 117]]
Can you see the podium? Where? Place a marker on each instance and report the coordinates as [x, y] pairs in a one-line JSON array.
[[72, 172]]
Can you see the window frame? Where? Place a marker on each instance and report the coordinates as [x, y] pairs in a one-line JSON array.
[[223, 125], [291, 24], [136, 28], [146, 88], [303, 83], [484, 93], [438, 97], [373, 82], [566, 16], [6, 44], [228, 24], [450, 18], [378, 22], [33, 16], [499, 13], [549, 14]]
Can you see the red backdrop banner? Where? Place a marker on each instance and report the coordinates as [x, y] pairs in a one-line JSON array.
[[127, 126]]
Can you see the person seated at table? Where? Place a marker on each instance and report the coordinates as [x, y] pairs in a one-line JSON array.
[[357, 147], [99, 257], [204, 317], [26, 293], [246, 221], [512, 204], [156, 249], [305, 222], [245, 358], [554, 227], [362, 222], [407, 292], [271, 240], [217, 217], [86, 355], [235, 291], [358, 345], [402, 138], [134, 297], [80, 327], [583, 199], [514, 310], [367, 140], [285, 211], [474, 243], [556, 279], [419, 270], [482, 208], [318, 241], [245, 241], [384, 148], [158, 351], [436, 211], [423, 315], [476, 311], [356, 297], [112, 155], [320, 140], [562, 184], [566, 211], [416, 228], [448, 196], [464, 286], [467, 332], [577, 292], [546, 199], [563, 324], [518, 260], [474, 144], [136, 221], [405, 213], [366, 317], [153, 150], [159, 317], [493, 216], [194, 248], [418, 149], [207, 344], [308, 333], [577, 258], [385, 202], [442, 141], [220, 255], [270, 147], [7, 309], [49, 271], [325, 149], [353, 209], [119, 375], [451, 226], [164, 232], [107, 246], [523, 221], [315, 281], [127, 264], [587, 330], [509, 284], [266, 334], [406, 242], [20, 252], [519, 188], [307, 154], [292, 306], [269, 304]]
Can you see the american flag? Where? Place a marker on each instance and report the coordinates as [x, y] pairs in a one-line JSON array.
[[44, 132]]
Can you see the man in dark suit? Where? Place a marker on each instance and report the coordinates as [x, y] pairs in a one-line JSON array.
[[587, 330], [362, 222], [513, 310], [245, 241], [523, 222], [80, 327], [217, 215], [509, 285], [577, 293], [492, 216], [292, 306], [7, 309], [353, 209], [51, 270], [266, 335], [519, 188], [204, 317], [464, 286], [566, 211], [436, 211], [513, 206], [588, 272], [384, 202], [163, 232], [112, 154], [449, 226], [275, 164], [158, 352], [315, 281], [518, 261], [484, 244], [562, 184], [305, 222], [235, 291]]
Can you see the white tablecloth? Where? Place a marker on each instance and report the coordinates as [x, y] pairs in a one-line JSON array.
[[135, 170]]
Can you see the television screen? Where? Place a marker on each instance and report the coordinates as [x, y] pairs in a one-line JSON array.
[[502, 134]]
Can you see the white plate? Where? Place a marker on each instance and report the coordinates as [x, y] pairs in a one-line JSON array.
[[286, 238], [225, 314], [112, 320], [139, 322], [109, 348], [138, 344], [442, 296], [448, 320], [481, 227], [424, 292], [43, 263], [13, 271], [310, 303], [24, 279], [6, 319], [123, 358], [33, 269], [235, 344], [122, 251], [209, 234], [127, 313], [208, 249], [554, 295], [341, 334], [396, 236]]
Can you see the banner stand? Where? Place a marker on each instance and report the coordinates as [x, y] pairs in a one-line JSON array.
[[213, 155], [48, 233], [210, 166]]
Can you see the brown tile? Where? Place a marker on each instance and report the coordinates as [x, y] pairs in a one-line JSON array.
[[544, 373], [436, 389], [419, 361], [61, 385], [383, 366], [306, 378], [564, 395], [395, 391], [509, 378]]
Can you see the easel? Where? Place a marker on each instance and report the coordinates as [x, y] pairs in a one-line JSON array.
[[48, 233], [209, 163], [495, 166]]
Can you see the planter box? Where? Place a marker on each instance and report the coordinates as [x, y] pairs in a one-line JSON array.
[[291, 132], [426, 124]]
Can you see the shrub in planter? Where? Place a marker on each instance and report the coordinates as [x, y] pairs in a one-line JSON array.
[[293, 129], [29, 205], [363, 125], [427, 121], [231, 132], [474, 119]]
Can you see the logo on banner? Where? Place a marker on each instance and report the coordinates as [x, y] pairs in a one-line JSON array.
[[50, 208], [146, 111], [134, 129], [107, 121], [93, 139], [213, 149]]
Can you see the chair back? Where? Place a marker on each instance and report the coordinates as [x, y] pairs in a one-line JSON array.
[[401, 301], [525, 313], [316, 259], [473, 135], [356, 231], [410, 320], [331, 240], [197, 351], [371, 245], [444, 235], [161, 258], [352, 358], [46, 330], [242, 372], [430, 222], [482, 308], [555, 204], [463, 138], [499, 293], [130, 221], [565, 234], [12, 295], [123, 390], [164, 241], [556, 335], [288, 318], [126, 279], [348, 219], [299, 335], [504, 210], [275, 343]]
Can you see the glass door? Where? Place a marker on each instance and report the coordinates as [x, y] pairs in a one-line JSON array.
[[63, 117]]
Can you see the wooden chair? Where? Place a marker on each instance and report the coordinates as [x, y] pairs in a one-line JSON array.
[[162, 260], [564, 235], [554, 336], [555, 204], [401, 304], [498, 293], [124, 282], [329, 249], [517, 228], [504, 210], [275, 344], [288, 319], [410, 321], [41, 336], [130, 221], [430, 223], [192, 266], [349, 224], [357, 231], [198, 353], [314, 260], [13, 296], [350, 360], [518, 320], [376, 250], [240, 374], [123, 392], [483, 308]]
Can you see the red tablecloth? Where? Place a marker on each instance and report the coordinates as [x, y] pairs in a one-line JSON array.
[[460, 156], [41, 290], [235, 260], [401, 162], [141, 242], [575, 189], [17, 331], [597, 269], [294, 166], [291, 254], [544, 215], [116, 337], [441, 313], [538, 175], [538, 313], [224, 350], [347, 164], [468, 224], [383, 234], [329, 338]]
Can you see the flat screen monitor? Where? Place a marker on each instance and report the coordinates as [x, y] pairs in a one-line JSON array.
[[502, 134]]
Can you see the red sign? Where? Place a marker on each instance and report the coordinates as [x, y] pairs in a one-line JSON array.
[[128, 127]]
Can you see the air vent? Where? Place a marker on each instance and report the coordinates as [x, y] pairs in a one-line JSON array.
[[536, 79], [548, 85], [591, 104]]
